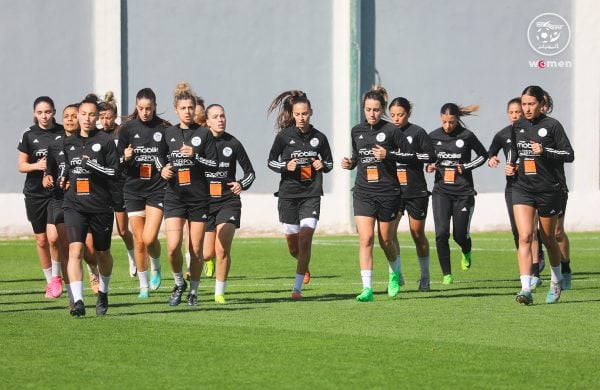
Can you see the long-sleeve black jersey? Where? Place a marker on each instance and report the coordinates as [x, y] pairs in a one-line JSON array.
[[453, 149], [141, 173], [34, 142], [55, 164], [502, 142], [540, 173], [379, 177], [92, 164], [411, 176], [305, 181], [230, 152], [189, 184]]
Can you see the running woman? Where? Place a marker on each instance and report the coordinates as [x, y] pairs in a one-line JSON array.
[[300, 154], [91, 165], [186, 152], [376, 148], [33, 150], [144, 190], [55, 164], [415, 196], [453, 196], [502, 142], [108, 116], [225, 205], [540, 146]]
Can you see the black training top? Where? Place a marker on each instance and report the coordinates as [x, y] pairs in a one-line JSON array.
[[230, 151], [375, 177], [304, 181], [34, 142], [545, 172], [92, 165], [411, 176], [55, 164], [189, 184], [141, 173], [453, 149], [502, 142]]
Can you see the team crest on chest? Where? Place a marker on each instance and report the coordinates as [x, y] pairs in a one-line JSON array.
[[196, 141], [542, 132], [227, 151], [157, 136], [380, 137], [314, 142], [96, 147], [460, 143]]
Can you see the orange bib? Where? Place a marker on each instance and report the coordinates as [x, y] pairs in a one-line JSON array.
[[372, 174], [449, 175], [216, 189], [184, 177], [402, 176], [83, 186], [145, 171], [529, 166]]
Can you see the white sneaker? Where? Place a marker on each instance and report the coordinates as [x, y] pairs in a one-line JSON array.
[[132, 268]]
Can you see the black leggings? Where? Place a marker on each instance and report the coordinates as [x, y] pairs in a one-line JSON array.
[[459, 208]]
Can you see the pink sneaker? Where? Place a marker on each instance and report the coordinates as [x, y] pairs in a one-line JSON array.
[[55, 287], [49, 290]]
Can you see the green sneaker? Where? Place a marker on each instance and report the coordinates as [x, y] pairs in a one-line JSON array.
[[448, 279], [220, 299], [210, 268], [366, 295], [393, 285], [465, 262]]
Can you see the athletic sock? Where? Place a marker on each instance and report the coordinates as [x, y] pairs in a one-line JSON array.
[[566, 267], [298, 282], [187, 260], [555, 274], [130, 255], [220, 287], [394, 266], [535, 269], [69, 293], [526, 283], [55, 268], [143, 277], [47, 274], [178, 276], [194, 287], [104, 282], [77, 290], [424, 266], [367, 278], [155, 263]]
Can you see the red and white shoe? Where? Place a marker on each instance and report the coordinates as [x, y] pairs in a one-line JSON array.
[[55, 286]]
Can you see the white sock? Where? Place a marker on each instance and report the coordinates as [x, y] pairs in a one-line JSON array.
[[187, 260], [526, 283], [298, 282], [130, 256], [394, 266], [194, 287], [104, 281], [555, 274], [47, 274], [55, 268], [178, 276], [143, 277], [367, 278], [155, 263], [220, 287], [424, 265], [69, 293], [77, 290]]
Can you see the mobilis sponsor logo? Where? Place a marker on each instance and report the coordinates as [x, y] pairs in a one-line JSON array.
[[448, 156]]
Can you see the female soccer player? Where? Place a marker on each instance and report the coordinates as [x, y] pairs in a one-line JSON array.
[[144, 190], [187, 151], [376, 148], [225, 204], [33, 149], [453, 195], [541, 147], [501, 141], [108, 116], [415, 196], [91, 165], [300, 154]]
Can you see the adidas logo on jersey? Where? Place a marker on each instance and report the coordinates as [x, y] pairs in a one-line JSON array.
[[172, 139], [508, 141], [292, 142], [61, 153], [522, 131], [439, 143], [232, 218], [35, 141], [464, 209], [360, 137], [314, 213], [204, 216], [160, 204], [136, 136], [72, 148]]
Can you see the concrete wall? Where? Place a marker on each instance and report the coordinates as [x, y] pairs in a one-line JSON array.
[[242, 54]]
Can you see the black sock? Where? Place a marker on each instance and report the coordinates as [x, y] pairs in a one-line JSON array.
[[535, 269], [566, 267]]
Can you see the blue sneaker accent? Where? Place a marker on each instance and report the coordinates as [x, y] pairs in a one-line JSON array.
[[565, 283], [144, 294], [553, 293], [155, 280], [524, 297], [535, 282]]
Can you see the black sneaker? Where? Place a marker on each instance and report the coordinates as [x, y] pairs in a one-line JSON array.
[[192, 299], [78, 309], [102, 303], [176, 294]]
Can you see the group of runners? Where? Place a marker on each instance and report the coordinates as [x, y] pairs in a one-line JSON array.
[[146, 170]]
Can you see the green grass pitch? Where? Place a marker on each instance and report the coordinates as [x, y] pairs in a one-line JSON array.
[[471, 334]]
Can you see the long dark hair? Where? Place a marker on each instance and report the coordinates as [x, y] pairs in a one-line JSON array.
[[284, 103], [44, 99]]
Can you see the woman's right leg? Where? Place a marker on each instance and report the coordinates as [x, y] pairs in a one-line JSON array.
[[365, 227], [154, 217], [524, 219], [442, 210]]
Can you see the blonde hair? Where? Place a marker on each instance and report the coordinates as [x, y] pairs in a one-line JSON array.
[[377, 92], [108, 103], [183, 91]]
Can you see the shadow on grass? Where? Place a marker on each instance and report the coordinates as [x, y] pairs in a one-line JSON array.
[[22, 280], [290, 277]]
